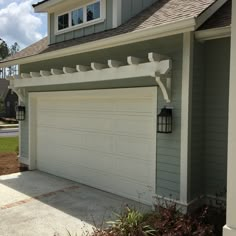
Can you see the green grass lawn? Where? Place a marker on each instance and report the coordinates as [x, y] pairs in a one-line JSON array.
[[8, 144]]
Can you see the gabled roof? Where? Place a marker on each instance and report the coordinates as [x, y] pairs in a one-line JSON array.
[[34, 49], [161, 13], [3, 88], [221, 18]]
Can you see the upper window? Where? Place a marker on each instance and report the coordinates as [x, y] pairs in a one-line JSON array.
[[85, 15], [77, 17], [63, 21], [93, 11]]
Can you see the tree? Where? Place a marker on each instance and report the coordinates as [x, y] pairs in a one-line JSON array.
[[14, 49], [6, 51], [12, 70]]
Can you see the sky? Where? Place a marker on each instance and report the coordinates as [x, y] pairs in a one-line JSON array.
[[19, 23]]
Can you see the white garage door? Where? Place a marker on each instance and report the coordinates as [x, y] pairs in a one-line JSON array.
[[101, 138]]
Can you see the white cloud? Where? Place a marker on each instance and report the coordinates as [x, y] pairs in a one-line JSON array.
[[19, 24]]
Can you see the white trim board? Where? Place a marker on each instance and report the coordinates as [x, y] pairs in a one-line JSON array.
[[42, 7], [210, 34], [185, 152]]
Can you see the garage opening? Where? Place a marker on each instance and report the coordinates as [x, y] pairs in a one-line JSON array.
[[102, 138]]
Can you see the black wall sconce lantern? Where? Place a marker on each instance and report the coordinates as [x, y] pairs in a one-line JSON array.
[[20, 113], [164, 120]]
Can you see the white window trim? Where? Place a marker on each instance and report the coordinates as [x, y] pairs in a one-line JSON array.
[[85, 23], [64, 13]]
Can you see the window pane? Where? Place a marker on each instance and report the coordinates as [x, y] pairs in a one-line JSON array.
[[63, 22], [93, 11], [77, 17]]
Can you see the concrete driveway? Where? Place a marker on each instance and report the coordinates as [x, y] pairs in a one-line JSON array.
[[34, 203], [12, 132]]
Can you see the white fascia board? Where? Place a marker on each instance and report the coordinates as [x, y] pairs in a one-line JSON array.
[[209, 12], [164, 30], [210, 34], [44, 6]]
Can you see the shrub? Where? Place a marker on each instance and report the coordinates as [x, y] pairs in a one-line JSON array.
[[166, 221], [130, 223], [169, 221]]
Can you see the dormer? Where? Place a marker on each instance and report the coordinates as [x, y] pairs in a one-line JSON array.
[[72, 19]]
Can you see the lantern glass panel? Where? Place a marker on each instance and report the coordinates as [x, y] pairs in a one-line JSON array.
[[20, 113], [165, 121]]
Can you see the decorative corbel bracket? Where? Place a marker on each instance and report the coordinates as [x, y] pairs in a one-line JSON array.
[[20, 92], [163, 75], [165, 87]]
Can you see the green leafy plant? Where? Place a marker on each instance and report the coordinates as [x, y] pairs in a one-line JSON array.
[[129, 223], [170, 221], [167, 220]]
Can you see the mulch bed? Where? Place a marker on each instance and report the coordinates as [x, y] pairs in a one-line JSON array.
[[9, 163]]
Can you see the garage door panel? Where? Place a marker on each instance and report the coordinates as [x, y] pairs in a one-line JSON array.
[[83, 175], [77, 104], [134, 125], [103, 163], [126, 168], [54, 135], [116, 165], [133, 105], [75, 121], [121, 185], [105, 139], [98, 141], [125, 187], [84, 140], [139, 147]]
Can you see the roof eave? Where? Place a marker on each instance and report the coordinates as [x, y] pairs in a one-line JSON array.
[[164, 30], [43, 7], [214, 33]]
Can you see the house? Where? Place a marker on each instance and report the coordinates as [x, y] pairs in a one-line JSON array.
[[93, 90], [8, 99]]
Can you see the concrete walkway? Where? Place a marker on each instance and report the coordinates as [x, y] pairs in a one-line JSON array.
[[34, 203]]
